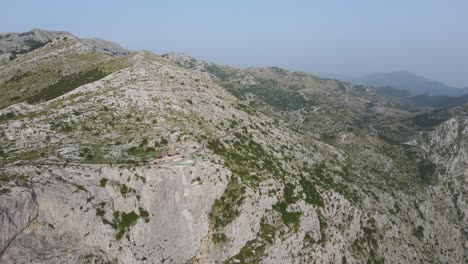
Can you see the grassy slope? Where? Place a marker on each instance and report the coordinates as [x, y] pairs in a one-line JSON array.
[[51, 71]]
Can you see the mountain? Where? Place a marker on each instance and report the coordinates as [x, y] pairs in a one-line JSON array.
[[412, 83], [439, 101], [171, 159], [38, 65], [404, 100], [24, 42], [393, 92]]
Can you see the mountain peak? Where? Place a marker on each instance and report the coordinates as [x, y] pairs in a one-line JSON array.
[[181, 58], [18, 42]]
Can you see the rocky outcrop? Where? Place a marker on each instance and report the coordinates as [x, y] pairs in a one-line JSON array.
[[18, 209], [74, 218], [446, 152]]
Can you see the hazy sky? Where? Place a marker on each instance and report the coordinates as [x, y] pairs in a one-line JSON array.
[[427, 37]]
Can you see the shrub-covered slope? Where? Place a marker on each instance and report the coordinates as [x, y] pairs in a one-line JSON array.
[[156, 163]]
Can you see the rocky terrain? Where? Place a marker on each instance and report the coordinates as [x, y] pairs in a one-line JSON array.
[[111, 156]]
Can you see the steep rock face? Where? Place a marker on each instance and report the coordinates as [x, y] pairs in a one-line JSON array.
[[77, 211], [446, 147], [18, 210]]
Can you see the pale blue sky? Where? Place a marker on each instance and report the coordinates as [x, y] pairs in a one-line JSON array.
[[427, 37]]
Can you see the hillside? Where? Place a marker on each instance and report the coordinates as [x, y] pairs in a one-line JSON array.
[[439, 101], [322, 106], [412, 83], [41, 65], [403, 99], [176, 160]]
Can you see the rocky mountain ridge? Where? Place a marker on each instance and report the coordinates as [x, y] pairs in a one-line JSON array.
[[27, 41], [175, 160]]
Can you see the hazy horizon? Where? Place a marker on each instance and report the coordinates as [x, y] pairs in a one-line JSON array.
[[427, 38]]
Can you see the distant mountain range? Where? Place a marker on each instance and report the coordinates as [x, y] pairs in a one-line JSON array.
[[415, 84], [411, 89]]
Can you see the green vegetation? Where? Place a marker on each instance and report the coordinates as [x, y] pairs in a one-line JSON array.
[[143, 153], [52, 77], [93, 154], [196, 180], [7, 116], [144, 214], [100, 212], [427, 172], [32, 44], [311, 193], [86, 153], [254, 250], [91, 259], [248, 159], [35, 44], [124, 190], [67, 84], [67, 127], [123, 221], [233, 123], [80, 188], [320, 175], [162, 143], [366, 246], [291, 219], [219, 238], [272, 93], [218, 72], [5, 178], [103, 182], [427, 120], [249, 110], [288, 193], [419, 232], [28, 155], [225, 208], [267, 232], [140, 178]]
